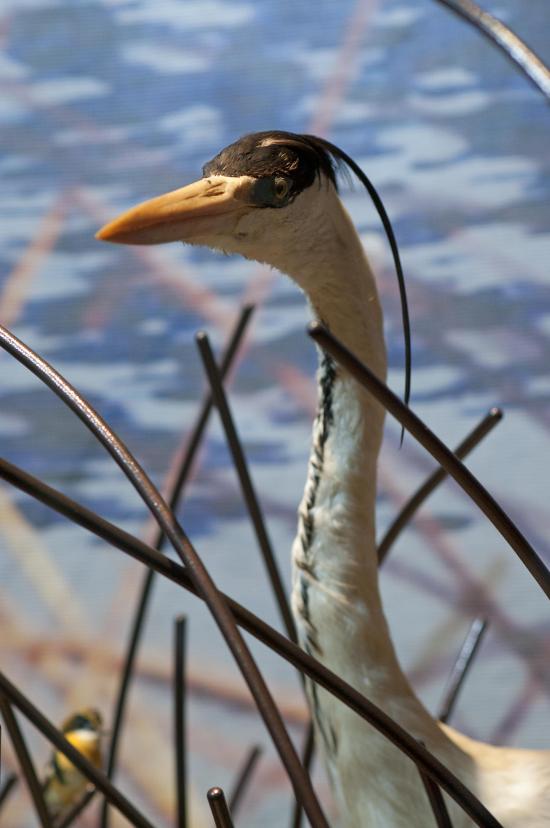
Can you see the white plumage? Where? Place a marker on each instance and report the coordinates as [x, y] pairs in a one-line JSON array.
[[271, 197]]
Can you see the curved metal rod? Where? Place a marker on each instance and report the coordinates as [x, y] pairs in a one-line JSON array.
[[55, 736], [76, 810], [491, 419], [463, 476], [138, 623], [7, 787], [461, 668], [142, 603], [219, 809], [199, 574], [513, 47], [245, 480], [244, 778], [25, 761], [179, 718], [263, 632], [308, 751], [440, 812]]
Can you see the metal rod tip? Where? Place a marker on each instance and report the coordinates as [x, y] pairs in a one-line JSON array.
[[215, 793]]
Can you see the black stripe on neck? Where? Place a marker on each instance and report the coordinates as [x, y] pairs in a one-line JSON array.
[[324, 419]]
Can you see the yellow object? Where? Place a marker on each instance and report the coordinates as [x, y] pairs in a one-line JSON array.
[[64, 783]]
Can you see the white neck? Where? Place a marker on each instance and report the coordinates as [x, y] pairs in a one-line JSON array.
[[336, 599], [334, 553]]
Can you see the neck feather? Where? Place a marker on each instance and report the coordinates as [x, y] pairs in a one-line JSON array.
[[334, 552], [336, 599]]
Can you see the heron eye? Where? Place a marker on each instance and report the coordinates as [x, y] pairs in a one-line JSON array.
[[281, 188], [271, 191]]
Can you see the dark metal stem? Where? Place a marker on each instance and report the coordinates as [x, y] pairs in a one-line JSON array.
[[308, 751], [136, 630], [55, 736], [491, 419], [187, 553], [243, 778], [513, 47], [76, 810], [461, 668], [245, 480], [218, 806], [437, 449], [179, 721], [142, 604], [440, 812], [263, 632], [25, 761], [7, 787]]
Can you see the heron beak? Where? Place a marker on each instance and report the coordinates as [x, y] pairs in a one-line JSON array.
[[208, 206]]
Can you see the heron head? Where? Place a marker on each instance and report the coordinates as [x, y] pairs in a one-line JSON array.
[[256, 196]]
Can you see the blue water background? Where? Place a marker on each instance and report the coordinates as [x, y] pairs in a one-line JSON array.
[[107, 103]]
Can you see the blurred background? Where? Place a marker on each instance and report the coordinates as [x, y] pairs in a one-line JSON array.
[[107, 102]]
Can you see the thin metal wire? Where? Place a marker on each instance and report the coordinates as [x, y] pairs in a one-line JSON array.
[[180, 732], [491, 419], [199, 574], [308, 751], [247, 487], [439, 808], [136, 630], [437, 449], [244, 777], [25, 761], [218, 806], [77, 809], [174, 497], [513, 47], [7, 787], [461, 668], [55, 736], [263, 632], [390, 235]]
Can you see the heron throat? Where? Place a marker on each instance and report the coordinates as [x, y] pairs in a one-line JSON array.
[[335, 567]]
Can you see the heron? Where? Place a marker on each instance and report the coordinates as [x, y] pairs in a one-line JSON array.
[[272, 197]]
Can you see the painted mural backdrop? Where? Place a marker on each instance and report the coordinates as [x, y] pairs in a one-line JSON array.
[[107, 102]]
